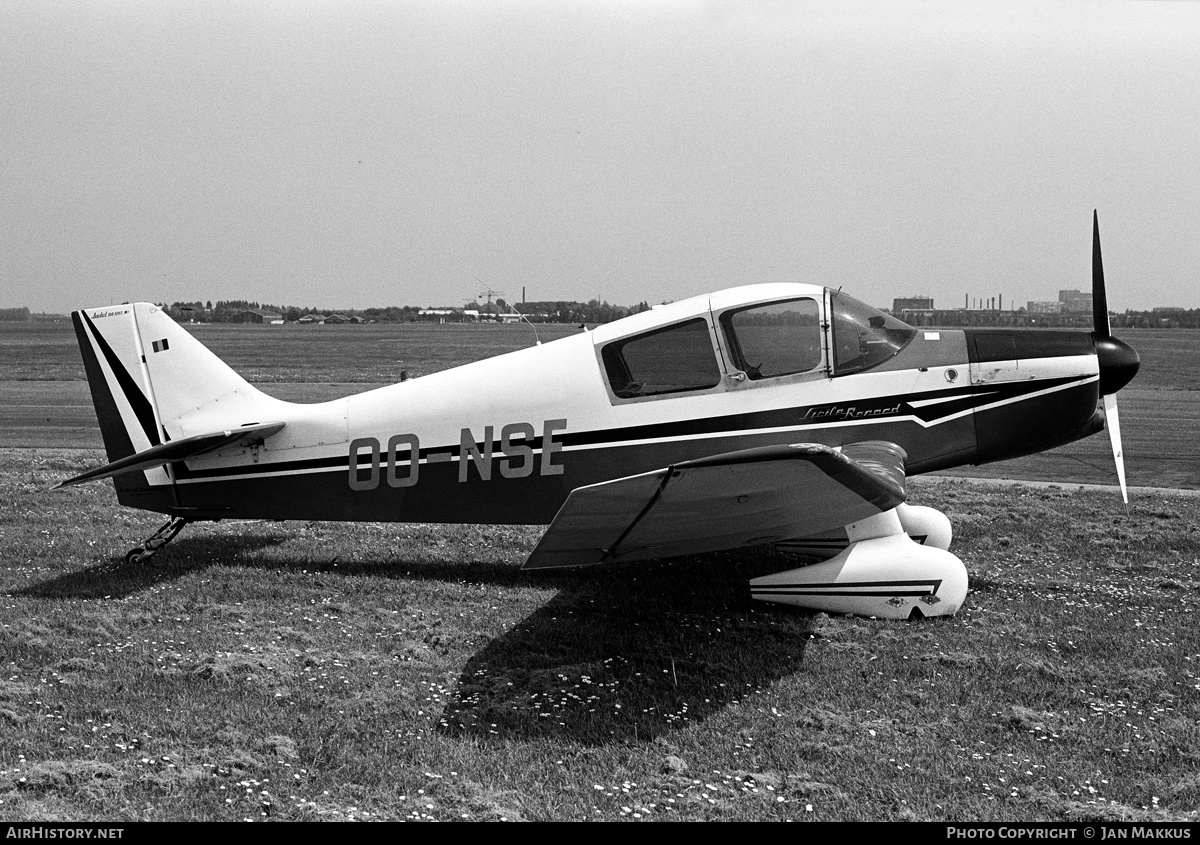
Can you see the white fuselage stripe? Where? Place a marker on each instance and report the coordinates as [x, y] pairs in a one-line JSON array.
[[715, 435]]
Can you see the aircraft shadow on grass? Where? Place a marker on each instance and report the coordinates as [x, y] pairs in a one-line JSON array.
[[629, 653], [621, 653], [117, 578]]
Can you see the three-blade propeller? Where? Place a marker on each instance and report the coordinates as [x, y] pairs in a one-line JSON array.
[[1118, 360]]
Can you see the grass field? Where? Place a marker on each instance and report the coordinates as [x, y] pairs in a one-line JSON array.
[[324, 671], [303, 671]]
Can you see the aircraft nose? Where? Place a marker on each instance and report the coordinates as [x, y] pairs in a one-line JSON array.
[[1119, 363]]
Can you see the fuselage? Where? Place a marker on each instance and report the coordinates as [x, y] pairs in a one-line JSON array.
[[506, 439]]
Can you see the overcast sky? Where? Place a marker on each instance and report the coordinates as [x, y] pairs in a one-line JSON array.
[[353, 154]]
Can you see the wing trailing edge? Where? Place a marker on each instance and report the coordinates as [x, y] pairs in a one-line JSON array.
[[736, 499], [179, 450]]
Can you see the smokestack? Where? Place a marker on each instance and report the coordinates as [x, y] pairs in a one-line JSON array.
[[1001, 308]]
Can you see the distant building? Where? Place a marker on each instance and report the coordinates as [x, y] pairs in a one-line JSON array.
[[915, 310], [337, 319], [1044, 308], [1074, 301], [312, 318], [912, 303], [440, 315], [1069, 302], [256, 315]]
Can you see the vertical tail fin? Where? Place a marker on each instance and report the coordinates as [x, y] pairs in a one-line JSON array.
[[152, 382]]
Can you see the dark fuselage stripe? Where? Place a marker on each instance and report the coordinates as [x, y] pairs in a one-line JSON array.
[[964, 399]]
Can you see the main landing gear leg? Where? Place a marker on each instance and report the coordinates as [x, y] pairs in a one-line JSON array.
[[156, 541]]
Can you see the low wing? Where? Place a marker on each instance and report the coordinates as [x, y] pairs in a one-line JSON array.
[[723, 502], [178, 450]]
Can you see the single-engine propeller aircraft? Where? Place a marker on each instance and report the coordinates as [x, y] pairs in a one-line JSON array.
[[780, 413]]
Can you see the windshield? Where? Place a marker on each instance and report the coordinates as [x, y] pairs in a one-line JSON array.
[[863, 336]]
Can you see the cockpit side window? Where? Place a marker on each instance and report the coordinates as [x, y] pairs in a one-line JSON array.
[[774, 339], [864, 337], [670, 360]]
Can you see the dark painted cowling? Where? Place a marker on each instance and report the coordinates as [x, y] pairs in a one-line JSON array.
[[1009, 431]]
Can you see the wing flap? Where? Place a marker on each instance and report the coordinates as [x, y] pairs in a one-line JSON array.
[[178, 450], [726, 501]]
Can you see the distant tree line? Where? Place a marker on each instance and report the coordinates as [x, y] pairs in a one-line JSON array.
[[559, 311], [1157, 318], [597, 312]]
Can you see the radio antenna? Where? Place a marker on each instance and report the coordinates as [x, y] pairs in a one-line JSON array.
[[514, 310]]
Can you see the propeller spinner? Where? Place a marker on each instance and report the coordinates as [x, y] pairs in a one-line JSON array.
[[1119, 361]]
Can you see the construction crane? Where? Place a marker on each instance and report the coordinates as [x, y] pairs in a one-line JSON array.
[[489, 293]]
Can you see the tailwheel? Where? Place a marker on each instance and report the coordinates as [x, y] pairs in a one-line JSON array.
[[164, 535]]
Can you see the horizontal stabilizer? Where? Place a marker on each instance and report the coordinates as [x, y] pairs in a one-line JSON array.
[[179, 450], [722, 502]]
